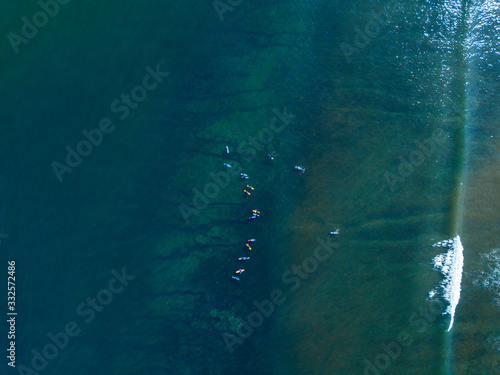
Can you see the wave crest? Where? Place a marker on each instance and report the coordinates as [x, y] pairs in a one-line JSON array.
[[451, 265]]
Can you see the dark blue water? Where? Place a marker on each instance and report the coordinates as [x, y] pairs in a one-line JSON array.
[[392, 111]]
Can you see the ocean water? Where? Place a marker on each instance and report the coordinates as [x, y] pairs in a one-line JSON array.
[[390, 106]]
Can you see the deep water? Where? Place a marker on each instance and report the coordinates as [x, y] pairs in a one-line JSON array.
[[390, 106]]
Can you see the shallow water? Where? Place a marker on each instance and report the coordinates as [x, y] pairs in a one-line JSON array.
[[398, 135]]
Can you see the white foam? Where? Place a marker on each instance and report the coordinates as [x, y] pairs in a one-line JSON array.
[[489, 276], [451, 265], [494, 341]]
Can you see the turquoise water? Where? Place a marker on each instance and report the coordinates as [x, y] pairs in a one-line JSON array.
[[421, 89]]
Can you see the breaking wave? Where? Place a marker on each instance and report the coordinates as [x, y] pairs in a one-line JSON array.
[[450, 264]]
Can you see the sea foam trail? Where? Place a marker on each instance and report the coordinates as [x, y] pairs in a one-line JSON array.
[[451, 265]]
